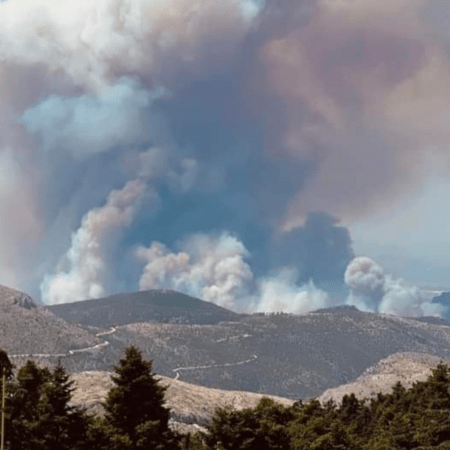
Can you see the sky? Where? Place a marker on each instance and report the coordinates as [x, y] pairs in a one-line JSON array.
[[264, 155]]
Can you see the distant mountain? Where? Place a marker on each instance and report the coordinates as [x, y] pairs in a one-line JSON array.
[[28, 328], [201, 343], [286, 355], [163, 306]]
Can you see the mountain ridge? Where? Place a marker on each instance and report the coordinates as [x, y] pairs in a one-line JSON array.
[[164, 306], [278, 354]]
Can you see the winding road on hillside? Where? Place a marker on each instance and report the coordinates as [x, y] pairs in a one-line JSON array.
[[213, 366], [106, 343], [70, 352]]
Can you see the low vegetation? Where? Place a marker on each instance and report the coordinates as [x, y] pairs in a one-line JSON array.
[[40, 415]]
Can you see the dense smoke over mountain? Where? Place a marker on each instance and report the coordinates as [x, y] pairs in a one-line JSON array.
[[237, 119], [372, 290], [320, 249]]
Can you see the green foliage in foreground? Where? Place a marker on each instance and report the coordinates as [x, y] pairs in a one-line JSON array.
[[39, 416], [417, 418]]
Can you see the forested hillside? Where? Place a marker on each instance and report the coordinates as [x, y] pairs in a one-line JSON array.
[[415, 418], [40, 415]]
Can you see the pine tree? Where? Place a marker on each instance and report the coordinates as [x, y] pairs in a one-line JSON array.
[[6, 366], [134, 407], [54, 420], [41, 417], [24, 395]]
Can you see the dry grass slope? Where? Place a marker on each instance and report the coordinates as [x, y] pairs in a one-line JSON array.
[[297, 356], [404, 367], [26, 328], [189, 404]]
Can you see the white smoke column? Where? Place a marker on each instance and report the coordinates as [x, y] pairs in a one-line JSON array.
[[365, 278], [372, 290], [94, 41], [82, 270], [403, 299], [212, 268], [281, 294]]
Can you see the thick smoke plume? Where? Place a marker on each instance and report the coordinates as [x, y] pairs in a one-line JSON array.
[[320, 250], [243, 117], [372, 290], [210, 268], [82, 271], [214, 269]]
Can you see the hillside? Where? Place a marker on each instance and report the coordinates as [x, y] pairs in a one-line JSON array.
[[285, 355], [279, 354], [293, 356], [27, 328], [189, 404], [406, 368], [153, 305]]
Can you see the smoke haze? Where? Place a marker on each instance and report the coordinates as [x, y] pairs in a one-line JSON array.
[[215, 145], [372, 290]]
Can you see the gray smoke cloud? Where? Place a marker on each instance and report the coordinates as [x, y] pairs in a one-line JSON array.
[[366, 281], [320, 249], [82, 271], [372, 290], [211, 268], [92, 123], [214, 268], [244, 118]]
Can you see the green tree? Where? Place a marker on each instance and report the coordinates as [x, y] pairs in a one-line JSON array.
[[60, 426], [23, 399], [6, 366], [40, 415], [261, 428], [134, 407]]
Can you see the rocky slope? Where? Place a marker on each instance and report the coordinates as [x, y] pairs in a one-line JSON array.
[[26, 328], [189, 404], [285, 355], [406, 368]]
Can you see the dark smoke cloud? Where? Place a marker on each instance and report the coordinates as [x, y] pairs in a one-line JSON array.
[[238, 119], [320, 249]]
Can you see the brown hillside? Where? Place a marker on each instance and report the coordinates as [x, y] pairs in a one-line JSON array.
[[189, 404], [26, 328]]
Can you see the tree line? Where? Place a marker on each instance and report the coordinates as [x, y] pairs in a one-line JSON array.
[[39, 416]]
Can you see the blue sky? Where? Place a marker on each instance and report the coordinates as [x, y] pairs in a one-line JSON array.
[[412, 239]]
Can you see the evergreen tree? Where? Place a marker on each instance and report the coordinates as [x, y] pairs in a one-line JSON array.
[[22, 408], [134, 407], [6, 366], [59, 424], [40, 416]]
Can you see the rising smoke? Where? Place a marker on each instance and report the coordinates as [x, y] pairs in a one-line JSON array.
[[82, 271], [214, 268], [320, 250], [372, 290], [243, 118]]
